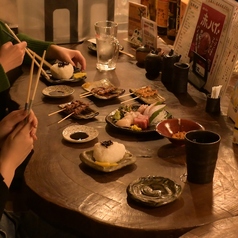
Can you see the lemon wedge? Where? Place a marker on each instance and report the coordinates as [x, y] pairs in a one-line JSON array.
[[105, 164], [79, 75]]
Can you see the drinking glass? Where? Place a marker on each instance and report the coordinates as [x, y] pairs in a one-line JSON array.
[[107, 45]]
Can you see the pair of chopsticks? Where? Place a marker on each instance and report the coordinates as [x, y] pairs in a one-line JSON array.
[[29, 102], [29, 51]]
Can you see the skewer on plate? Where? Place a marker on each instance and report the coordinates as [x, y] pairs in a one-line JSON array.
[[66, 117], [86, 94], [128, 94], [53, 113], [130, 100]]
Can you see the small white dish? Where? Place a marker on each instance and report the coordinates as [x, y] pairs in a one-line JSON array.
[[79, 133], [58, 91]]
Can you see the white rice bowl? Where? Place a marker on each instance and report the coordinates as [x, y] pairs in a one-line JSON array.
[[64, 71], [110, 154]]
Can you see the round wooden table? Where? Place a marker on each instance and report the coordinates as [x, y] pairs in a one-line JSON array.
[[226, 227], [69, 193]]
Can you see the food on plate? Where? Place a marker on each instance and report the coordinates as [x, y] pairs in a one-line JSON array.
[[76, 107], [79, 75], [141, 117], [136, 128], [148, 95], [179, 135], [104, 91], [146, 92], [62, 70], [108, 152]]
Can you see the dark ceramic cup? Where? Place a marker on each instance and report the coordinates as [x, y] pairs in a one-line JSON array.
[[213, 104], [201, 155], [180, 77]]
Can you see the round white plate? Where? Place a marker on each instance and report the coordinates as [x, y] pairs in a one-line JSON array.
[[79, 133], [58, 91]]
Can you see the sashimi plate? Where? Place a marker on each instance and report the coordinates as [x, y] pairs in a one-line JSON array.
[[151, 129]]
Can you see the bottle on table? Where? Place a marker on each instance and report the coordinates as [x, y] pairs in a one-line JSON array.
[[173, 19], [162, 9]]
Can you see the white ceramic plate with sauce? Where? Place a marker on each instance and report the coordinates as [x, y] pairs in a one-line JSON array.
[[79, 133]]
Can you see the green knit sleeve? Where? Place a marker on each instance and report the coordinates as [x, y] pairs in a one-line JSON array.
[[37, 46], [5, 84], [3, 36]]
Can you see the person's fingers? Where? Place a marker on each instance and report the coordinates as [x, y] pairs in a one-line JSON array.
[[33, 119], [14, 117], [16, 130], [7, 45]]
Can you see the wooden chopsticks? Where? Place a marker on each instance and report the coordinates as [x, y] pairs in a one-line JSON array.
[[29, 84], [29, 102], [29, 52]]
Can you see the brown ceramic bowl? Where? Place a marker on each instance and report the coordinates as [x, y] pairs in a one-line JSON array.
[[177, 127]]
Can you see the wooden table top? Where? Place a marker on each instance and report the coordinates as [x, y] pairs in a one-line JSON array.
[[96, 203], [226, 227]]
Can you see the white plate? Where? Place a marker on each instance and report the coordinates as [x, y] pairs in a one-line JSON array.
[[58, 91], [79, 133]]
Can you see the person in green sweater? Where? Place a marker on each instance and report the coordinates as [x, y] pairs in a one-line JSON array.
[[17, 135], [12, 55]]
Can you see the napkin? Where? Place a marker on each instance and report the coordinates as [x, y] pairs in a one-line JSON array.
[[216, 91]]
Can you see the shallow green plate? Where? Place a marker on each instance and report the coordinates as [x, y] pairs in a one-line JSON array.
[[154, 191], [87, 158]]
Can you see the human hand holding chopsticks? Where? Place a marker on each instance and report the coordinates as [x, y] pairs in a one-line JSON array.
[[9, 122], [28, 51], [16, 144], [11, 56], [74, 57]]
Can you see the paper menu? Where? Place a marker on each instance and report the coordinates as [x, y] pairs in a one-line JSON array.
[[224, 13]]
